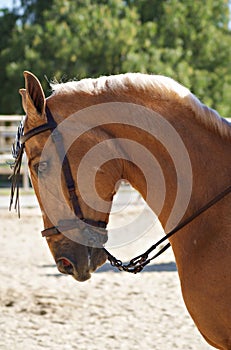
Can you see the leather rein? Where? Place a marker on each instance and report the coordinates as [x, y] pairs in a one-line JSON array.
[[99, 236]]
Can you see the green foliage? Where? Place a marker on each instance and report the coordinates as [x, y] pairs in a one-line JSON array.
[[189, 41]]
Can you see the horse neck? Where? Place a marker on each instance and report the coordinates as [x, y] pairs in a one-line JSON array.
[[180, 172], [171, 157]]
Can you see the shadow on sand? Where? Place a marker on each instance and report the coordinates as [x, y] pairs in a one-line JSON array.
[[164, 267]]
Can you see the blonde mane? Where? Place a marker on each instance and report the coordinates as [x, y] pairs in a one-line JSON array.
[[158, 86]]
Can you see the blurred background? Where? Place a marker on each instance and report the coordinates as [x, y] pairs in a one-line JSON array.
[[189, 41]]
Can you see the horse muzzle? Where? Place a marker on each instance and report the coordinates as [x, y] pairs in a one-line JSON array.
[[67, 267], [81, 266]]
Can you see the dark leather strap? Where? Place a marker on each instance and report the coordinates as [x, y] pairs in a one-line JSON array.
[[58, 141], [139, 262], [38, 130], [50, 231], [65, 225]]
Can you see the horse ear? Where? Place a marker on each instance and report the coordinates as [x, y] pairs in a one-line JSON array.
[[33, 99]]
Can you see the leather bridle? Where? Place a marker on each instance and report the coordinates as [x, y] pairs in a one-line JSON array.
[[98, 236], [94, 237], [80, 222]]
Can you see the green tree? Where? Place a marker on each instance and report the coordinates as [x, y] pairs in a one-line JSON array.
[[203, 38], [187, 40], [191, 42], [32, 10], [8, 21]]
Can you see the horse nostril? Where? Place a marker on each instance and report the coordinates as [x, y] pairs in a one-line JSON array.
[[65, 266]]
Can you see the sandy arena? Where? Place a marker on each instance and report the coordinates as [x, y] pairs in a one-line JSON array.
[[42, 309]]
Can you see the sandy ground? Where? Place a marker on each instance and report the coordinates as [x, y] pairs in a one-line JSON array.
[[42, 309]]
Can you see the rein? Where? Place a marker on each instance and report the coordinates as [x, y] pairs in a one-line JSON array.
[[97, 236], [138, 263]]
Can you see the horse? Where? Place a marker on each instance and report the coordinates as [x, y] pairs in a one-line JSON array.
[[89, 135]]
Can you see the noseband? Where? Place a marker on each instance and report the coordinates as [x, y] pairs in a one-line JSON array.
[[99, 235]]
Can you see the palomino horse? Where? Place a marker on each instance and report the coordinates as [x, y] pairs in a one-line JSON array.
[[175, 151]]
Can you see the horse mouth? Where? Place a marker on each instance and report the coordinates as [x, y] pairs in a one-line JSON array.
[[82, 277]]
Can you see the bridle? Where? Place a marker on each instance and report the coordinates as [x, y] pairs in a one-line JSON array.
[[99, 234], [93, 237]]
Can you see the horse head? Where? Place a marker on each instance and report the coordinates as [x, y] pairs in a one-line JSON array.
[[53, 164]]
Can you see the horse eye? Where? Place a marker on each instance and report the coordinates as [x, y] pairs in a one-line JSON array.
[[41, 167]]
